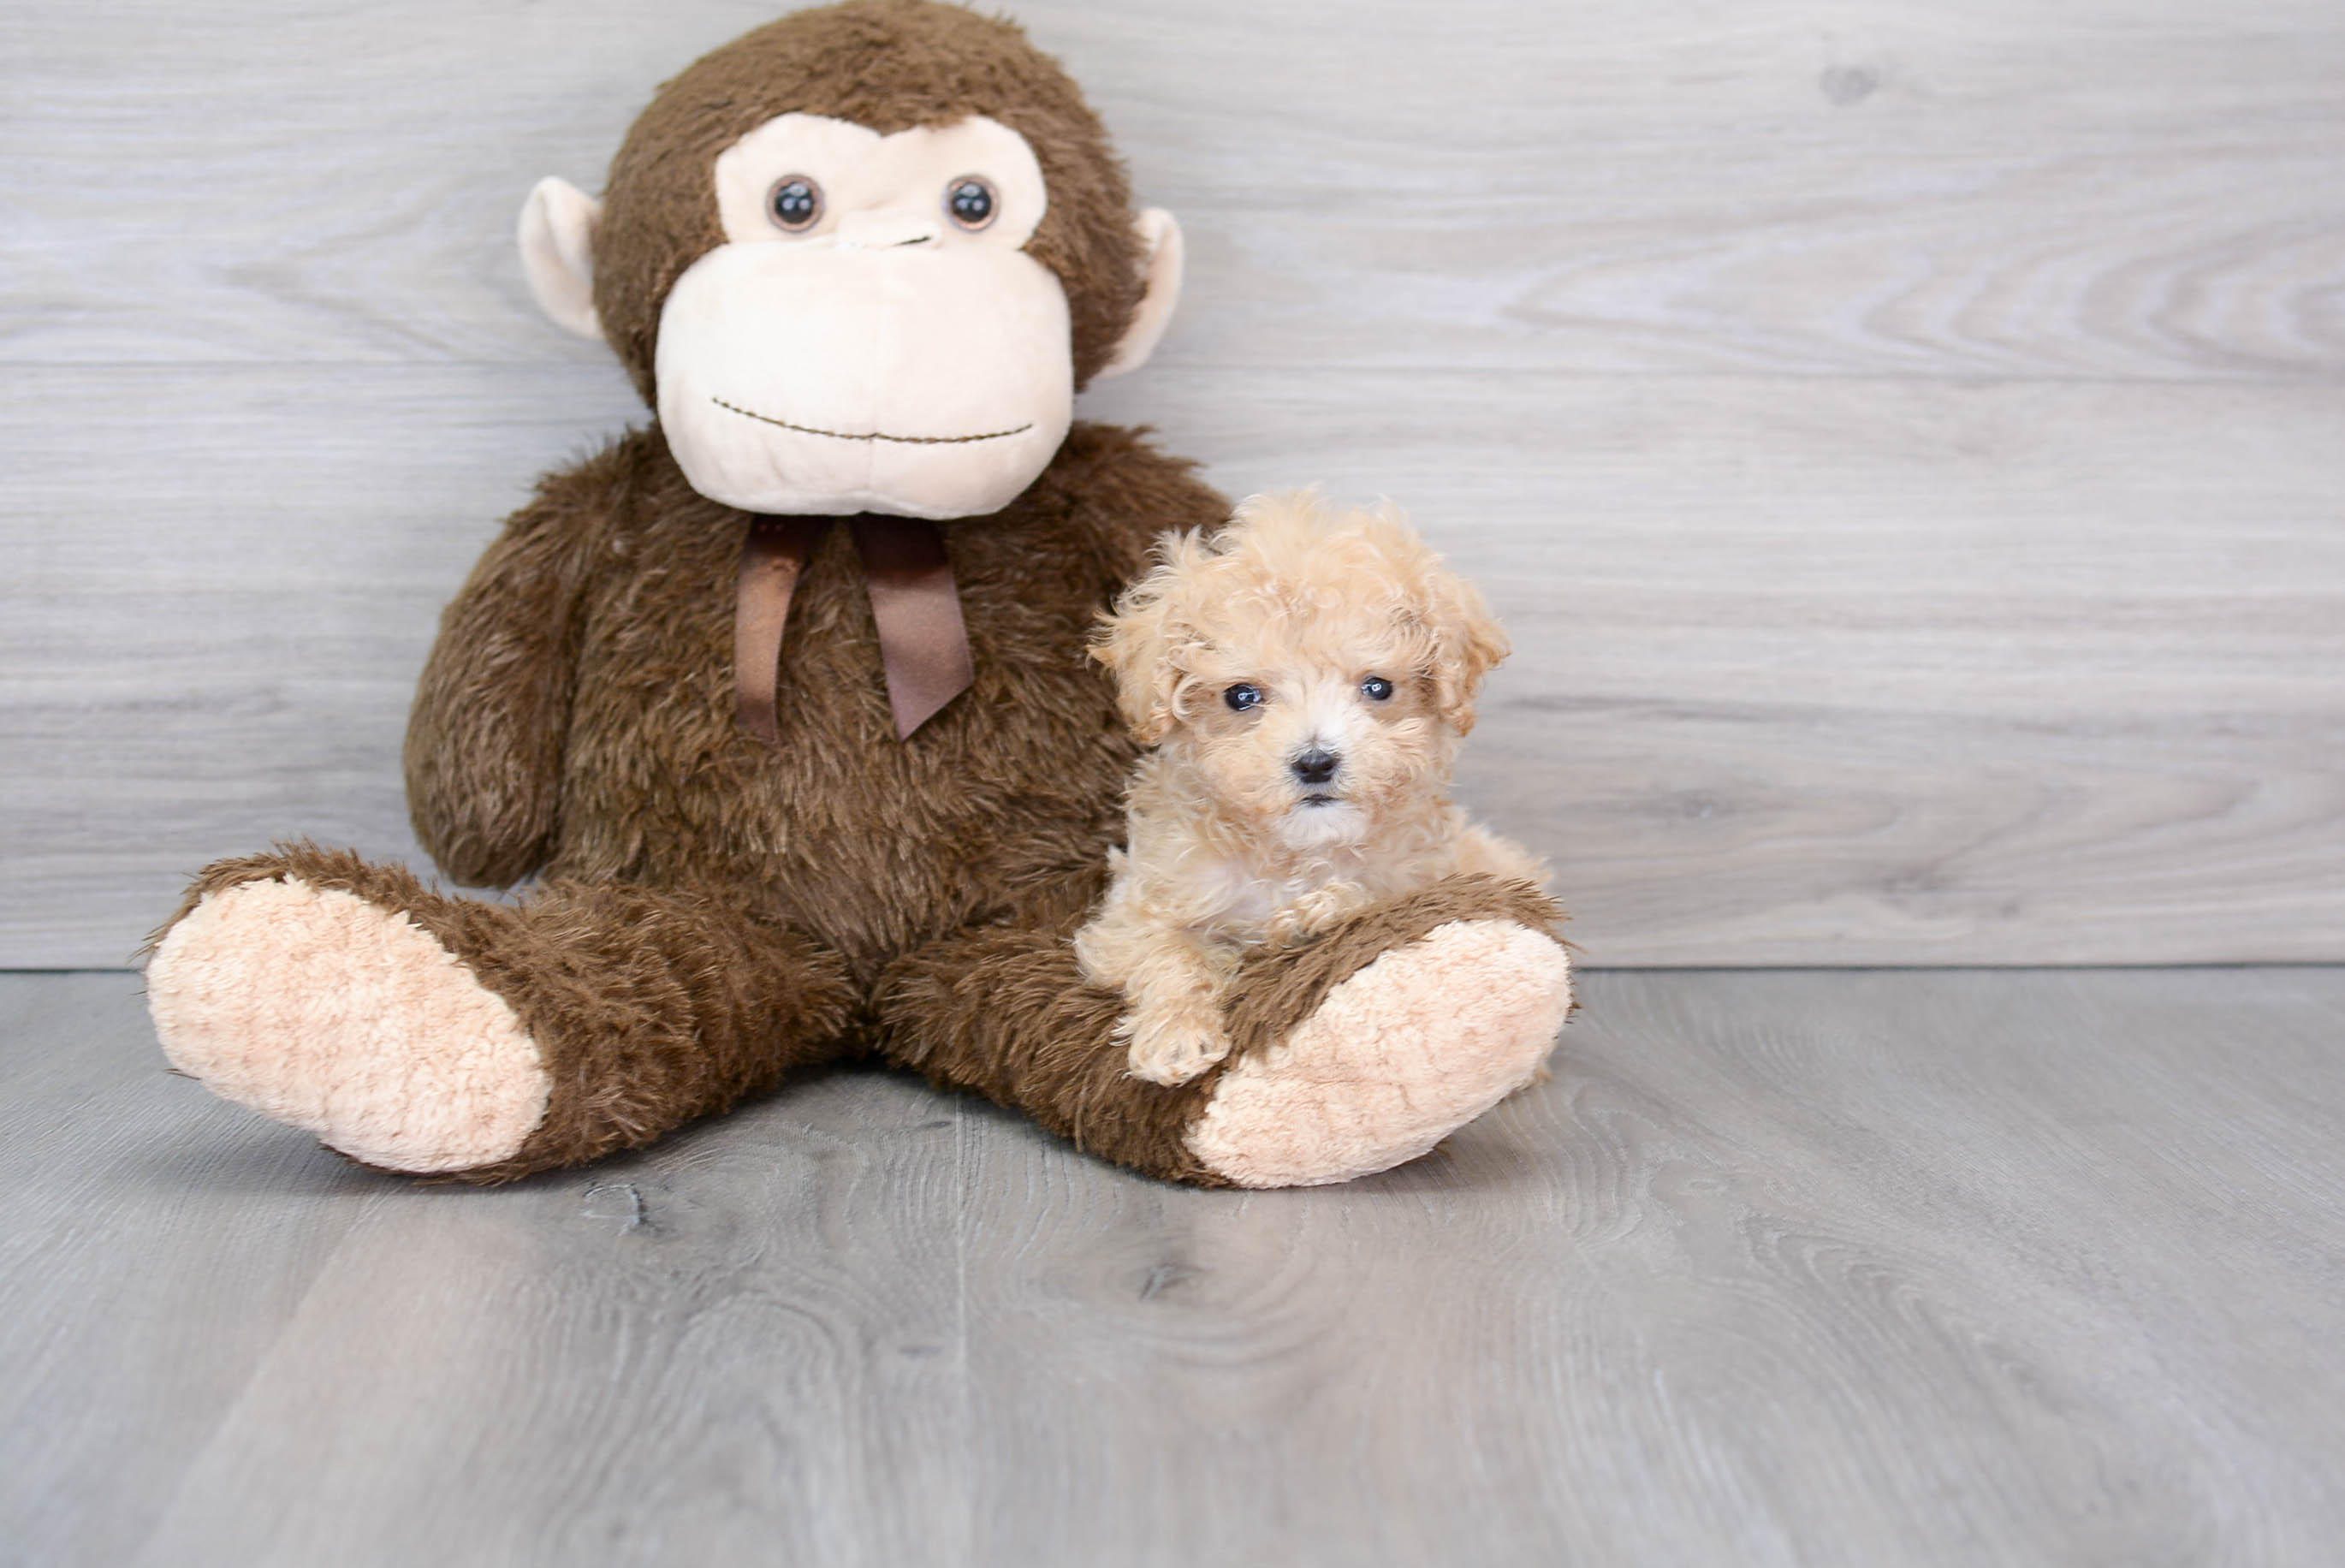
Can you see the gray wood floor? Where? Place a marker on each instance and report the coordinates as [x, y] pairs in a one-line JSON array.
[[1797, 1267]]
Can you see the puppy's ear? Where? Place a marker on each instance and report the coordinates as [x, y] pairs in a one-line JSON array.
[[1141, 640], [1467, 644]]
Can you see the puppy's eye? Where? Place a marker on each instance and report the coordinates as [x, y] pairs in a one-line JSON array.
[[970, 202], [1376, 688], [796, 202], [1242, 696]]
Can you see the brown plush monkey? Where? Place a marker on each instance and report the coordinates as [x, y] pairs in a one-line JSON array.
[[786, 697]]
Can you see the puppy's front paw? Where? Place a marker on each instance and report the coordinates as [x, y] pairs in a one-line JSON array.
[[1315, 911], [1171, 1048]]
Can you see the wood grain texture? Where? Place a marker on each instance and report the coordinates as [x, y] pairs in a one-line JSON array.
[[1902, 437], [1825, 671], [1918, 711], [1816, 1269], [1877, 188], [1795, 1268], [223, 1346]]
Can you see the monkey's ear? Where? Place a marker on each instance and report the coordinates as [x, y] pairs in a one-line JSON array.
[[557, 253], [1159, 238]]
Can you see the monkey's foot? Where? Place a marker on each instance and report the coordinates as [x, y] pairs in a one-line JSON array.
[[315, 1007], [1395, 1057]]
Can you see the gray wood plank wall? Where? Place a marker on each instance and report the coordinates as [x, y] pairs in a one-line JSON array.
[[1907, 439]]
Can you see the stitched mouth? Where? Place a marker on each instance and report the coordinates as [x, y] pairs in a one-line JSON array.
[[873, 436]]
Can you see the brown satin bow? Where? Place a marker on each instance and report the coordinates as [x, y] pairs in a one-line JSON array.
[[923, 644]]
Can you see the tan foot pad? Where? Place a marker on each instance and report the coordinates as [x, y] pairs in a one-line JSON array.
[[1398, 1056], [317, 1008]]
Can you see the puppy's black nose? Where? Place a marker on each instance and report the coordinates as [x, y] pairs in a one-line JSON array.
[[1314, 766]]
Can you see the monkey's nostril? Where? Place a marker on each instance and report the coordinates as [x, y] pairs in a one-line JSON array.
[[1316, 766]]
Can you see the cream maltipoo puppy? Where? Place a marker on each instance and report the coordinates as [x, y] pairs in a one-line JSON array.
[[1304, 676]]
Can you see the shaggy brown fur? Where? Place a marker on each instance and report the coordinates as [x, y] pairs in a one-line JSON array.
[[874, 844], [646, 1007], [577, 715], [890, 65]]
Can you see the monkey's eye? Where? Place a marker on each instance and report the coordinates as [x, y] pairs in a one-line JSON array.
[[972, 202], [796, 203], [1376, 687], [1242, 696]]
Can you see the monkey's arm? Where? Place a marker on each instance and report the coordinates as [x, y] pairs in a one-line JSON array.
[[485, 737]]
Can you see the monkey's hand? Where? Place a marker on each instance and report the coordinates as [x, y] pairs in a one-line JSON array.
[[1172, 1044], [1315, 911]]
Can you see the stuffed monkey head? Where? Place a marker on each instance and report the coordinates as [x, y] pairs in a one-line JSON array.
[[860, 261]]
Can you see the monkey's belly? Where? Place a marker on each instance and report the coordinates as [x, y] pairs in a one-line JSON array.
[[870, 843]]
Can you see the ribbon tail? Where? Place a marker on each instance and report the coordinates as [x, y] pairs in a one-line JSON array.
[[773, 554], [916, 605]]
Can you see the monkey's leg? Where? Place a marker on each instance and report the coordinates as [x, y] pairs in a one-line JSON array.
[[1351, 1056], [428, 1034]]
